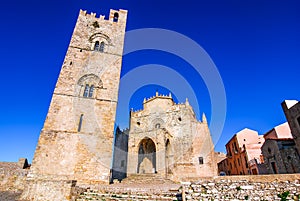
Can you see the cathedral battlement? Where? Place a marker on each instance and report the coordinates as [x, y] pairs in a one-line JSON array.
[[157, 95], [161, 100], [163, 96]]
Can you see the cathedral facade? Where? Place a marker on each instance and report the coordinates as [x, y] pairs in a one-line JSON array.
[[165, 138]]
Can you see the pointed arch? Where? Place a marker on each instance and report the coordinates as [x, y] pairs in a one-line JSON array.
[[146, 156], [169, 157]]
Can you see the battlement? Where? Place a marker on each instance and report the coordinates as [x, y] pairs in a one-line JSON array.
[[158, 96], [162, 96], [114, 15], [168, 98]]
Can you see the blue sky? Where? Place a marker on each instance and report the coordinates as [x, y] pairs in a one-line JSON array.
[[255, 45]]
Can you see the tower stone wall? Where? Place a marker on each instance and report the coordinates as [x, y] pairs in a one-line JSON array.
[[120, 154], [77, 138]]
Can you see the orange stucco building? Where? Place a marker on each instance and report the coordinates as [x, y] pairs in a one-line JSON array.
[[243, 153]]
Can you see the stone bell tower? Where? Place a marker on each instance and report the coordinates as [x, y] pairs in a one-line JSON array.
[[76, 141]]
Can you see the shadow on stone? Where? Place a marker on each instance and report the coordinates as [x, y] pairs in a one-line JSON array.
[[9, 195], [179, 196]]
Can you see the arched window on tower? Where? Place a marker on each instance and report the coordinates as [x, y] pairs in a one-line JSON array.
[[116, 17], [97, 46], [101, 48], [91, 91], [86, 90], [88, 85]]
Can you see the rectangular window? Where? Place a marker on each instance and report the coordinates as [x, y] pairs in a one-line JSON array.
[[86, 90], [228, 151], [80, 123], [274, 168], [235, 148], [122, 163], [246, 162], [101, 49], [200, 160], [91, 91]]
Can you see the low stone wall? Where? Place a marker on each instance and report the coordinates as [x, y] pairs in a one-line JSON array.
[[254, 187], [12, 177], [236, 188], [14, 186], [54, 190], [12, 180]]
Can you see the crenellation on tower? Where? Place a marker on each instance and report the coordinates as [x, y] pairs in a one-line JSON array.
[[101, 30], [122, 14]]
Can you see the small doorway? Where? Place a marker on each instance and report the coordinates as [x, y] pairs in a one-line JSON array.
[[274, 168], [254, 171], [169, 158], [146, 157]]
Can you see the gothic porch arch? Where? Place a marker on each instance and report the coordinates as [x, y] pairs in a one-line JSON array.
[[146, 156]]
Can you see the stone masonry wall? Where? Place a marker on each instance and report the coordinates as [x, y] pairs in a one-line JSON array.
[[120, 154], [12, 177], [292, 115], [76, 140], [233, 188], [54, 190], [254, 187], [182, 144], [12, 180]]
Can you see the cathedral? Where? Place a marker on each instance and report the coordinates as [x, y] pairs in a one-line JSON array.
[[79, 141]]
